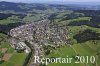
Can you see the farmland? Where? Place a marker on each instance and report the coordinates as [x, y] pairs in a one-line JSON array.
[[85, 48], [10, 56], [81, 27]]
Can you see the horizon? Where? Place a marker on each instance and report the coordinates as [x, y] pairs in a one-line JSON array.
[[59, 2], [63, 1]]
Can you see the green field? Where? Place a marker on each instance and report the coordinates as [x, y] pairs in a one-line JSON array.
[[16, 59], [75, 22], [82, 50], [87, 48]]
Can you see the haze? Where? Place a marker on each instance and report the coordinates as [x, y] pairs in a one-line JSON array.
[[27, 1]]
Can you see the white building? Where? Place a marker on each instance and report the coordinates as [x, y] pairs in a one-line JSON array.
[[22, 45]]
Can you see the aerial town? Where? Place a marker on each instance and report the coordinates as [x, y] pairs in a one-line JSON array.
[[38, 34]]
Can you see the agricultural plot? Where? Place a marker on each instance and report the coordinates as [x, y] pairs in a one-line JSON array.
[[87, 48], [82, 50], [8, 55]]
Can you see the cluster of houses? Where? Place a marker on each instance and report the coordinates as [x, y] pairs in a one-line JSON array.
[[39, 32], [26, 32]]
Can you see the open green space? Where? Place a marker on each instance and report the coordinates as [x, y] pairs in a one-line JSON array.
[[75, 21], [15, 59], [86, 48]]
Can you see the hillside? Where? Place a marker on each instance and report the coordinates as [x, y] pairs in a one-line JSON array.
[[57, 30]]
